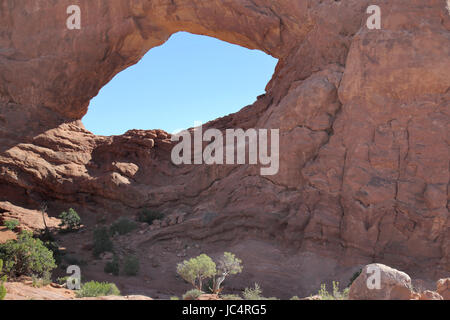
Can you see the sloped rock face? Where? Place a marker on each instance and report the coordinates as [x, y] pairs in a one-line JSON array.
[[363, 118]]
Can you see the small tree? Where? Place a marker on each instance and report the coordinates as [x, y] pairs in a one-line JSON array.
[[196, 270], [228, 264], [102, 241], [70, 219], [113, 266]]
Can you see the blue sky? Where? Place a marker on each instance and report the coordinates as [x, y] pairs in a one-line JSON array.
[[189, 78]]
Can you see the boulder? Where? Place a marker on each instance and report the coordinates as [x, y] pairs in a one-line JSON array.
[[380, 282], [443, 288]]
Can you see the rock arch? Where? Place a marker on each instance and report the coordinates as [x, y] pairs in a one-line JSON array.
[[363, 116]]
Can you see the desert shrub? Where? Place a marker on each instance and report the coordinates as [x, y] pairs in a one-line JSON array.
[[54, 248], [43, 281], [255, 294], [335, 295], [174, 298], [353, 278], [295, 298], [131, 266], [230, 297], [112, 266], [123, 226], [27, 256], [98, 289], [62, 280], [102, 241], [74, 260], [192, 294], [196, 270], [149, 216], [2, 282], [70, 219], [11, 224]]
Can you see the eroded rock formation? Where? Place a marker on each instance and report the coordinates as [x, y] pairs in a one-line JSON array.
[[364, 119]]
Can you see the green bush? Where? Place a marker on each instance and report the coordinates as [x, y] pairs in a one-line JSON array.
[[27, 256], [131, 266], [255, 294], [70, 219], [174, 298], [149, 216], [2, 282], [102, 241], [123, 226], [62, 280], [11, 224], [54, 248], [192, 294], [98, 289], [336, 295], [112, 266], [43, 281]]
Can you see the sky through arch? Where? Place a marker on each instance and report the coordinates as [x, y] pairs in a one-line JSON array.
[[189, 78]]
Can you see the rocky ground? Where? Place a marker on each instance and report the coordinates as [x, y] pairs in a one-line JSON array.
[[25, 291], [395, 284]]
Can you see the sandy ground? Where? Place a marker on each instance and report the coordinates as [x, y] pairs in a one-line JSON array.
[[25, 291]]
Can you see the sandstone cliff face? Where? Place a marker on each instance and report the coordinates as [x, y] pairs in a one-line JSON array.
[[364, 119]]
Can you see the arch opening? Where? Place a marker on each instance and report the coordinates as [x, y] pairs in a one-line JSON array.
[[189, 78]]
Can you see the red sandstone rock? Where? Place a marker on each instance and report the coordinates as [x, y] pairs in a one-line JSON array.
[[364, 118], [443, 288], [430, 295], [204, 297], [393, 284]]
